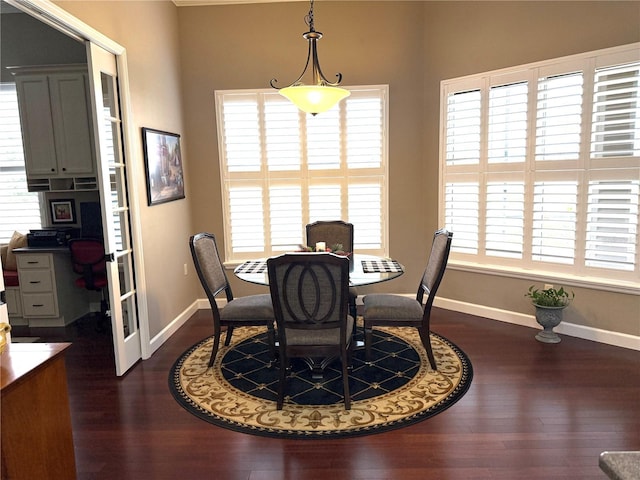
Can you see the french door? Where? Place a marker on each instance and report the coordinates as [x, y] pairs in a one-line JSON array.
[[114, 198]]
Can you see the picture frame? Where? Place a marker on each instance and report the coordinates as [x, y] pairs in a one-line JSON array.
[[63, 211], [163, 166]]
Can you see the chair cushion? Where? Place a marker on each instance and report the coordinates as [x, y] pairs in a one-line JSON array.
[[330, 336], [10, 278], [250, 307], [385, 306], [18, 240]]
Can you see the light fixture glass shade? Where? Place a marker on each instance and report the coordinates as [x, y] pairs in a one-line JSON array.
[[314, 98]]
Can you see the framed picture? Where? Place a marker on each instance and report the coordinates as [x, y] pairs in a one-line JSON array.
[[163, 166], [63, 211]]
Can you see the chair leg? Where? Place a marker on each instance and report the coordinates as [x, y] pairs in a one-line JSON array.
[[368, 339], [282, 380], [227, 339], [214, 350], [345, 382], [426, 341]]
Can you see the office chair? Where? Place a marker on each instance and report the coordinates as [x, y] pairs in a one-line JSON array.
[[88, 260]]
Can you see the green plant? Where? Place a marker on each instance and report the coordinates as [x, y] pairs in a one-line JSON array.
[[550, 297]]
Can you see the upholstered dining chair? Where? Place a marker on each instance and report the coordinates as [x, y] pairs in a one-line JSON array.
[[310, 296], [334, 232], [383, 309], [251, 310]]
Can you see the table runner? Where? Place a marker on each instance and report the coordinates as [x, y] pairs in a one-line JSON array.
[[375, 266], [252, 266]]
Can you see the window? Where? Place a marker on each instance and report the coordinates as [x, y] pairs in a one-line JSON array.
[[19, 209], [282, 169], [541, 167]]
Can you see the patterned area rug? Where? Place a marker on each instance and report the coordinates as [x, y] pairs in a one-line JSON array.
[[397, 388]]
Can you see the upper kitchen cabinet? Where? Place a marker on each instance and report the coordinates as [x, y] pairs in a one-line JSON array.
[[57, 130]]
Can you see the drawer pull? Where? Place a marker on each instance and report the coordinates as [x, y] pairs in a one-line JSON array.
[[34, 281], [38, 305], [33, 262]]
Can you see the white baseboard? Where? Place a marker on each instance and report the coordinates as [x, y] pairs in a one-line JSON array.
[[157, 341], [580, 331], [587, 333]]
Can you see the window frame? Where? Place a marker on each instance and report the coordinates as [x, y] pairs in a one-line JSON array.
[[584, 168], [347, 177], [17, 167]]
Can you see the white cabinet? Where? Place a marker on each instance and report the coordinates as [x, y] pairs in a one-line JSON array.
[[47, 286], [57, 130]]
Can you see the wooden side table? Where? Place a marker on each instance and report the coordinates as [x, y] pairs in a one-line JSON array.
[[37, 439]]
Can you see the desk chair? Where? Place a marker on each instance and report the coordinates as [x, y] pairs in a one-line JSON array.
[[310, 296], [335, 232], [390, 310], [88, 260]]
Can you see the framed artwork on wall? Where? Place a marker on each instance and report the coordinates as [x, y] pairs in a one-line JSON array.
[[163, 166], [63, 211]]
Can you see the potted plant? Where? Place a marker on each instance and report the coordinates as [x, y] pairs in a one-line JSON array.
[[549, 303]]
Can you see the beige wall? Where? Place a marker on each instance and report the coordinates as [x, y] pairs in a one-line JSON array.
[[462, 38], [179, 56], [149, 32]]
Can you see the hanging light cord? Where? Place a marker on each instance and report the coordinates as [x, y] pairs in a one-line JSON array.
[[312, 36]]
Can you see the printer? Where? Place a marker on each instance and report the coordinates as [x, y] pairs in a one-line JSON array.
[[51, 237]]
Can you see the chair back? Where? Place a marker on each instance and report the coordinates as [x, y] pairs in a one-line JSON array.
[[88, 259], [331, 232], [209, 268], [436, 266], [309, 291]]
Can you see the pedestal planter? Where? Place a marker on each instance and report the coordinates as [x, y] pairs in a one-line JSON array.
[[548, 318]]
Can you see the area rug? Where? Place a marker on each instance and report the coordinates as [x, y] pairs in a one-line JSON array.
[[395, 389]]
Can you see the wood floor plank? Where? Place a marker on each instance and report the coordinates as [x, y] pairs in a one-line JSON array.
[[534, 411]]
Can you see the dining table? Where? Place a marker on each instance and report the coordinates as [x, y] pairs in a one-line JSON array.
[[363, 270]]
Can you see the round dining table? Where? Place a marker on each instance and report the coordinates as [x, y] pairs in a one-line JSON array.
[[363, 270]]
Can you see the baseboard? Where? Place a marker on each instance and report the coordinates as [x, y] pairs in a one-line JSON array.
[[157, 341], [580, 331]]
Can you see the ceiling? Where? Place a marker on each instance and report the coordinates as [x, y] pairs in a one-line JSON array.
[[192, 3]]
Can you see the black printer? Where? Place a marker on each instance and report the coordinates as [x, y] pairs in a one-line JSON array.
[[51, 237]]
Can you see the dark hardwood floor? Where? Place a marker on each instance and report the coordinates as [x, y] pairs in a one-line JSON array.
[[534, 411]]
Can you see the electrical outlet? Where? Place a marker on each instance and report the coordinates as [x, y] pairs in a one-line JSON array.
[[185, 270], [547, 286]]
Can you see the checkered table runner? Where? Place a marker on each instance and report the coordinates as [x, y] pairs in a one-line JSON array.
[[375, 266], [252, 266]]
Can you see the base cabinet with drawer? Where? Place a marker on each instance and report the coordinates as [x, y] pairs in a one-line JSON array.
[[50, 297]]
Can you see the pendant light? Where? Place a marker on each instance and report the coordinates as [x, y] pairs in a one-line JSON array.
[[320, 96]]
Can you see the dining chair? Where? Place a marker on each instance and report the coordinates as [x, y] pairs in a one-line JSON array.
[[391, 310], [250, 310], [334, 232], [310, 297]]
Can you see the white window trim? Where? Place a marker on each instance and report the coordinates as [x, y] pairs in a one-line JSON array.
[[318, 177], [583, 276]]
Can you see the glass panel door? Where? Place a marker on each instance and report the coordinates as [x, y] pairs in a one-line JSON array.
[[115, 207]]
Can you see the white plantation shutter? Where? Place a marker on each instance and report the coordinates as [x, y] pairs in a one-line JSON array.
[[554, 221], [561, 199], [505, 219], [615, 128], [558, 119], [462, 136], [282, 169], [462, 204], [612, 224], [508, 123], [19, 208]]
